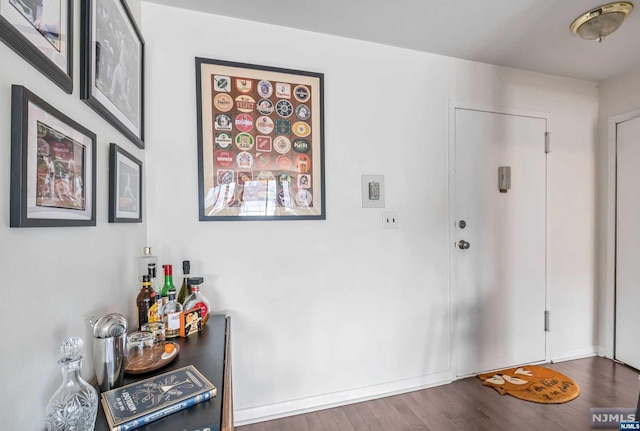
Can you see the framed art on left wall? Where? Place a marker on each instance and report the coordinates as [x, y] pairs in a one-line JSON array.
[[41, 31], [53, 166], [125, 186], [112, 66]]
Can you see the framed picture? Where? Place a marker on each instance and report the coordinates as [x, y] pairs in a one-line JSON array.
[[125, 186], [112, 66], [41, 31], [53, 166], [260, 142]]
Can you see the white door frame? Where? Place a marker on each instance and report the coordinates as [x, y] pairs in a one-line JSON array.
[[453, 105], [610, 264]]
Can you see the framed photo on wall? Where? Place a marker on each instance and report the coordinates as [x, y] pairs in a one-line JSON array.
[[125, 186], [112, 66], [41, 31], [53, 159], [260, 142]]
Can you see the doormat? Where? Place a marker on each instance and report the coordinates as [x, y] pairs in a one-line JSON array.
[[533, 383]]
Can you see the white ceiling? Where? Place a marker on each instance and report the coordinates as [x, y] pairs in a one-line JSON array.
[[525, 34]]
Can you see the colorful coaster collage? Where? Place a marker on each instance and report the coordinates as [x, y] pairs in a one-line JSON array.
[[263, 140]]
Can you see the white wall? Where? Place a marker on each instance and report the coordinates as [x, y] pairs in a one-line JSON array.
[[330, 311], [617, 96], [54, 278]]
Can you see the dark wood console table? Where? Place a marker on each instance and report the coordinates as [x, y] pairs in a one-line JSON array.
[[209, 352]]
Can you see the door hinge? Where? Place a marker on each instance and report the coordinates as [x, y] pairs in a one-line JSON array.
[[547, 142], [547, 320]]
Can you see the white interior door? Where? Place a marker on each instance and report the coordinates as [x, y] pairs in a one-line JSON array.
[[500, 279], [627, 240]]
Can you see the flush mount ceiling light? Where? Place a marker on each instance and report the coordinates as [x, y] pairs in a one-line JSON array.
[[601, 21]]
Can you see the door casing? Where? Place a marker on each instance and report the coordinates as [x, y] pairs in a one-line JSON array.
[[608, 350]]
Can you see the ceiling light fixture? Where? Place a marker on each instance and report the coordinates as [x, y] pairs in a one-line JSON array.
[[601, 21]]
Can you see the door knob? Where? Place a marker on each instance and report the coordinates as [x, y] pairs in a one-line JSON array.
[[463, 245]]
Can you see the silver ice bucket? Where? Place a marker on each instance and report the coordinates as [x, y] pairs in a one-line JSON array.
[[109, 350]]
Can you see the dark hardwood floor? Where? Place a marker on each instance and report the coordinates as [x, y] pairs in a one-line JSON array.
[[467, 405]]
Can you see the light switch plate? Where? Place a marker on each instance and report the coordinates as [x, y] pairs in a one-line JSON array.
[[372, 203]]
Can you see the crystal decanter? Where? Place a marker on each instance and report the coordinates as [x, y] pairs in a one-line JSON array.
[[74, 405]]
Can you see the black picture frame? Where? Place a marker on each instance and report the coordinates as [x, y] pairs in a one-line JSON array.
[[265, 161], [53, 166], [46, 44], [112, 66], [122, 168]]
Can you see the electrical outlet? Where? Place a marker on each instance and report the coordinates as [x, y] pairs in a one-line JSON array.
[[390, 220]]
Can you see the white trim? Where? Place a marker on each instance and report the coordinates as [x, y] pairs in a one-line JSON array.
[[541, 363], [570, 355], [610, 282], [320, 402], [453, 105], [453, 358]]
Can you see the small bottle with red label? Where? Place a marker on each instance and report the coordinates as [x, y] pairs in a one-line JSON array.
[[197, 299]]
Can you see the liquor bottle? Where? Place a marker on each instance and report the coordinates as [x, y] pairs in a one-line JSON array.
[[168, 283], [184, 289], [145, 260], [197, 299], [146, 297], [171, 316], [153, 275], [155, 311]]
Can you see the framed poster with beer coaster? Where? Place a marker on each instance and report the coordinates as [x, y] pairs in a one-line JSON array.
[[260, 142]]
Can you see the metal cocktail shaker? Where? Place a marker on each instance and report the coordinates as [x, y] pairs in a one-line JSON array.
[[109, 350]]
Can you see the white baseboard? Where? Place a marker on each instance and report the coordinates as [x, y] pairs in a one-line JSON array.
[[569, 355], [601, 351], [320, 402]]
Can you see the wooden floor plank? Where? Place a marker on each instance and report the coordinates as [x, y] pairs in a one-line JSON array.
[[343, 422], [468, 405], [388, 417], [315, 424], [258, 427], [364, 410], [355, 419], [488, 403], [327, 420], [300, 423]]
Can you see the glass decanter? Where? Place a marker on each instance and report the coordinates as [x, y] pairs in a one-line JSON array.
[[73, 407]]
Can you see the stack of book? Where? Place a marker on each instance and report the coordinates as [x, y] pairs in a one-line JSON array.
[[137, 404]]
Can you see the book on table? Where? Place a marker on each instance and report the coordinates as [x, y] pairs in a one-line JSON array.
[[137, 404]]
